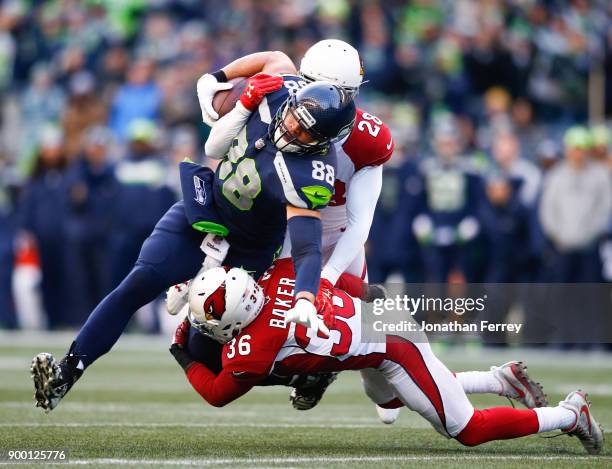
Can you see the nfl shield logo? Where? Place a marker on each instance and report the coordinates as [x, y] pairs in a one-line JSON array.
[[200, 193]]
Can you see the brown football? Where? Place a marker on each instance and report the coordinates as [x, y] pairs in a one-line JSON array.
[[224, 101]]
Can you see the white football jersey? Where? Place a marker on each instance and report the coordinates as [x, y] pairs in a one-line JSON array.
[[345, 340], [369, 144]]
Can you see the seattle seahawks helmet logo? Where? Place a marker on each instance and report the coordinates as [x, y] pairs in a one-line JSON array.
[[214, 305]]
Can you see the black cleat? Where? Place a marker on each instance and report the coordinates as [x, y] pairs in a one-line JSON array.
[[306, 396], [53, 380]]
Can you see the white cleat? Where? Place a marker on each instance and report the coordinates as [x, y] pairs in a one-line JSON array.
[[176, 298], [586, 429], [516, 384], [387, 416]]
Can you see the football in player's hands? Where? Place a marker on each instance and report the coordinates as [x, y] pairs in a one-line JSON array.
[[258, 87], [224, 101], [206, 88]]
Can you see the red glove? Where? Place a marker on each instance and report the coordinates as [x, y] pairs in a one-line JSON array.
[[324, 303], [257, 88], [178, 349], [181, 334]]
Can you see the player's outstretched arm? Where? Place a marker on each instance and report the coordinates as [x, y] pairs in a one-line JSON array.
[[305, 231], [227, 128], [218, 390], [361, 200], [269, 62]]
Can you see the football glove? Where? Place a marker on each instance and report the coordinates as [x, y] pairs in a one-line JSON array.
[[206, 87], [305, 313], [307, 394], [258, 87], [176, 298], [324, 302], [178, 349]]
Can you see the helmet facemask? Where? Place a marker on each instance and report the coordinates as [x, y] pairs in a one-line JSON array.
[[285, 140]]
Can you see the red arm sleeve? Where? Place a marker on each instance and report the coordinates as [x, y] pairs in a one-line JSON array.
[[351, 284], [219, 390]]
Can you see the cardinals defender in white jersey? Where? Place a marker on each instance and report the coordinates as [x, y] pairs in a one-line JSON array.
[[348, 217]]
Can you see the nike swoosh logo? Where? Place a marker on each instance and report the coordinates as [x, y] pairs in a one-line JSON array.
[[319, 196], [389, 144]]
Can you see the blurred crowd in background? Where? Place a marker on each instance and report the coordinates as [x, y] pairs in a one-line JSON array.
[[502, 170]]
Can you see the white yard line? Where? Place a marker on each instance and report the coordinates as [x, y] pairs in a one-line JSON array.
[[190, 425], [196, 411], [324, 424], [159, 343], [308, 460], [593, 389]]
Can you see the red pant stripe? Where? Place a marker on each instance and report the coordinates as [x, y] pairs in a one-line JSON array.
[[409, 357], [394, 403]]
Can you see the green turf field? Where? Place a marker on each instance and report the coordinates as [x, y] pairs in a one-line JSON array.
[[135, 407]]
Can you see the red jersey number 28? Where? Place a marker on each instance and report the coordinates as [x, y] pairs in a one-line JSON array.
[[371, 123]]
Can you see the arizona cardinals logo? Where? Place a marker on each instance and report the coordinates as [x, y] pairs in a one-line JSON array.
[[214, 305]]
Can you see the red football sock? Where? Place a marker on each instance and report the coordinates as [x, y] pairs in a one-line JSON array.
[[498, 423]]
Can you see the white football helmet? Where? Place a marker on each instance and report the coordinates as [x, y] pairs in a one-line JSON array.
[[336, 61], [222, 302]]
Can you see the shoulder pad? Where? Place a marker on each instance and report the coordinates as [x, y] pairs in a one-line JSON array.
[[370, 143]]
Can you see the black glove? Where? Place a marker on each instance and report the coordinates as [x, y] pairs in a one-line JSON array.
[[178, 349], [182, 356]]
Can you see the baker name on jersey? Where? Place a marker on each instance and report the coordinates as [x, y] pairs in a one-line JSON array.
[[282, 302]]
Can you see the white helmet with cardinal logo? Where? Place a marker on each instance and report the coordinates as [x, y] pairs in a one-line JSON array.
[[223, 301], [336, 61]]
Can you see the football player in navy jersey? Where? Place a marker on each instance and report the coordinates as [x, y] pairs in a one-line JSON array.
[[360, 156], [274, 176]]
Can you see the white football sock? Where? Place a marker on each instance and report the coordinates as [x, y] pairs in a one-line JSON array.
[[479, 382], [555, 418]]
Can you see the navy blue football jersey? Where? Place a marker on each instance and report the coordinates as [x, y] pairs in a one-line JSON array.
[[255, 182]]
